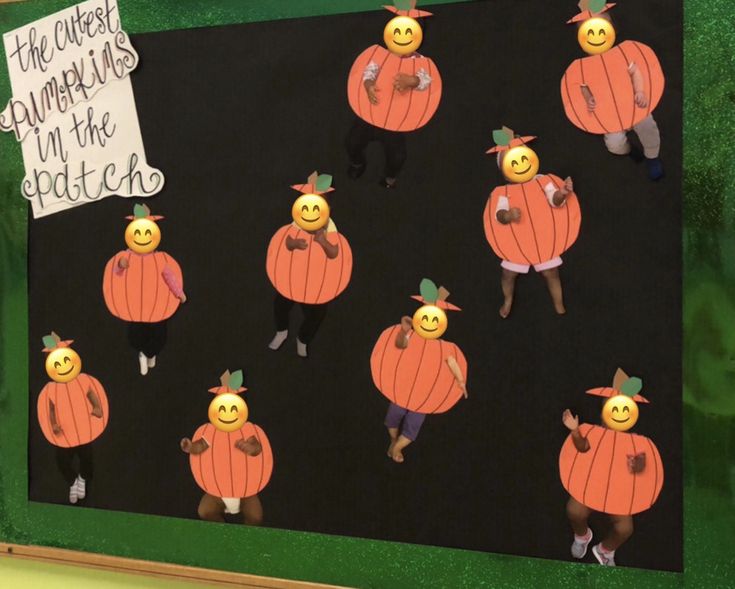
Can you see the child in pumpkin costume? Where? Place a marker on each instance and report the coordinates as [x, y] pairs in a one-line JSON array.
[[72, 412], [517, 222], [143, 286], [231, 459], [412, 101], [418, 372], [616, 88], [608, 470], [308, 262]]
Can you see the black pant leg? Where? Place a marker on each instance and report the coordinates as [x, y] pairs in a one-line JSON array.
[[360, 134], [313, 317], [64, 460], [396, 153], [281, 310], [86, 461], [148, 338]]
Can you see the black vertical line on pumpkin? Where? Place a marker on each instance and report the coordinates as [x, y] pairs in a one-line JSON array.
[[324, 273], [427, 91], [279, 248], [612, 91], [569, 95], [452, 381], [594, 112], [657, 458], [58, 416], [395, 372], [308, 265], [169, 293], [550, 207], [261, 458], [198, 459], [392, 94], [231, 488], [635, 476], [113, 266], [85, 399], [290, 268], [490, 219], [390, 339], [632, 87], [576, 454], [649, 108], [530, 219], [609, 471], [142, 291], [416, 376], [105, 410], [126, 277], [360, 90], [436, 378], [512, 231], [592, 463], [342, 262], [213, 456], [410, 94], [71, 410], [155, 297]]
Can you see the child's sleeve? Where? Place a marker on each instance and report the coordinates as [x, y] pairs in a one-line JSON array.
[[371, 72], [550, 190], [424, 79], [172, 282], [503, 205]]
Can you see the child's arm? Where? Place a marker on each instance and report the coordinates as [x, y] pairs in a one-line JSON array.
[[401, 340], [421, 81], [637, 462], [122, 264], [196, 447], [173, 284], [331, 249], [95, 401], [55, 427], [637, 78], [572, 423], [251, 446], [588, 97], [294, 244], [504, 214], [369, 75], [454, 367], [558, 197]]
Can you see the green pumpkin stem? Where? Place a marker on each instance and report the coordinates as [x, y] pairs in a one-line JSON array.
[[429, 291], [235, 381], [632, 386]]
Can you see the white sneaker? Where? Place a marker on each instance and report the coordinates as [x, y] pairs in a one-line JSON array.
[[143, 361], [81, 485], [152, 362], [579, 547], [73, 493], [603, 556], [301, 348], [278, 340]]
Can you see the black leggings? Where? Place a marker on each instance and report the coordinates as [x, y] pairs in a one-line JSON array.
[[65, 462], [394, 145], [313, 317], [148, 338]]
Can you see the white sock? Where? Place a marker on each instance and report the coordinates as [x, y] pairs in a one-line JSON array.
[[143, 361], [81, 487], [301, 348], [73, 493], [278, 339], [152, 362], [582, 539]]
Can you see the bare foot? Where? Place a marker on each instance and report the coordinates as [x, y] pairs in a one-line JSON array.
[[390, 448], [560, 309], [505, 309], [397, 455]]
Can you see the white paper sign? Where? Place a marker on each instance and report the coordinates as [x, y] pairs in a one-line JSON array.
[[73, 109]]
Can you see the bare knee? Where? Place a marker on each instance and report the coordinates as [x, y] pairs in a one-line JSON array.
[[210, 511], [623, 528]]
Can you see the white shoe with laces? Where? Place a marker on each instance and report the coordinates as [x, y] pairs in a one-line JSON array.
[[579, 546], [604, 557], [143, 361]]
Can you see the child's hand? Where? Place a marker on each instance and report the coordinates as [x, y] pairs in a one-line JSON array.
[[463, 387], [570, 421], [123, 263], [185, 445], [568, 186], [371, 92], [182, 298], [514, 214], [320, 236], [406, 323], [251, 446], [592, 104], [97, 412], [403, 82], [641, 100], [636, 463], [56, 428]]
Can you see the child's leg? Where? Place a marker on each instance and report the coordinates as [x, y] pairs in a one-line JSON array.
[[155, 338], [211, 509], [313, 317], [281, 310], [356, 141], [620, 532], [64, 458], [649, 136], [252, 510], [508, 284], [553, 282], [412, 423], [617, 143], [578, 515], [393, 419], [86, 461], [394, 144]]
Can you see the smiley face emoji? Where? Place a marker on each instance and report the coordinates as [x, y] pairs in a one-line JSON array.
[[310, 212], [142, 236], [596, 35], [520, 164], [620, 413], [403, 35], [430, 322], [228, 412], [63, 365]]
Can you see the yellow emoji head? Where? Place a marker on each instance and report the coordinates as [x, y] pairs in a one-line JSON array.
[[62, 363], [228, 412], [620, 413], [519, 164], [430, 322], [403, 35], [310, 212], [596, 35], [142, 235]]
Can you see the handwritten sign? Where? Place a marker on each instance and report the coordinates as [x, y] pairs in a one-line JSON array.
[[73, 109]]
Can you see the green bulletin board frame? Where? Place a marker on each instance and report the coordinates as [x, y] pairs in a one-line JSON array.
[[708, 508]]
